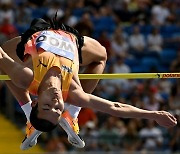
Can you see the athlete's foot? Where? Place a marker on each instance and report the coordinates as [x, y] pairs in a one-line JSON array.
[[71, 127], [30, 139]]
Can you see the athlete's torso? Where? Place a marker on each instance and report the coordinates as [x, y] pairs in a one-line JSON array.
[[52, 49]]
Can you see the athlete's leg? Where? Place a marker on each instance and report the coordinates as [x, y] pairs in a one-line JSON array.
[[94, 58]]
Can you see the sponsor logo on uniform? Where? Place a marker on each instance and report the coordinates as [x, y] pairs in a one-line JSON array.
[[57, 44], [66, 68], [61, 44], [40, 63]]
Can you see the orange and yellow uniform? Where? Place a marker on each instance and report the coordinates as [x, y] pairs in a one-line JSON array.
[[52, 48]]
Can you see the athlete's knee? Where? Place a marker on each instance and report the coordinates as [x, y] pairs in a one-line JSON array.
[[103, 54], [95, 51], [102, 57]]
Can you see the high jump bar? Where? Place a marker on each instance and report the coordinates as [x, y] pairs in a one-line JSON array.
[[120, 76]]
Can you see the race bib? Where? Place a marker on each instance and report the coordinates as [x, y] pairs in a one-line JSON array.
[[56, 43]]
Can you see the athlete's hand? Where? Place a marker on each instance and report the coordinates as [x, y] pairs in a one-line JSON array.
[[165, 119]]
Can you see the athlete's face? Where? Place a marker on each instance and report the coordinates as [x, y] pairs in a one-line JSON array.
[[50, 105]]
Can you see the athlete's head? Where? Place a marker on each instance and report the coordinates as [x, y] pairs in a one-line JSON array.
[[47, 109]]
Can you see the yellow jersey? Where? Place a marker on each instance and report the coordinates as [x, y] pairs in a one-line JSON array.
[[52, 48]]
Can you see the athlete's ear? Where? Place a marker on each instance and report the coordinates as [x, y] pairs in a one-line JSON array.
[[34, 102]]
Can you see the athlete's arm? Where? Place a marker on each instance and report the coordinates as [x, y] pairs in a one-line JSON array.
[[79, 98]]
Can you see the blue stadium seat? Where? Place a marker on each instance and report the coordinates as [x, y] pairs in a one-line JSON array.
[[21, 28], [146, 29], [168, 30], [167, 56], [103, 24], [152, 54], [128, 29], [161, 68], [78, 12], [137, 69], [148, 63], [39, 13], [131, 62]]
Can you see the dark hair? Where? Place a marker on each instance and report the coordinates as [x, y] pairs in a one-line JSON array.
[[40, 124]]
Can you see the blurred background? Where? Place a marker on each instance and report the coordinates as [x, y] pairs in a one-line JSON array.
[[139, 36]]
